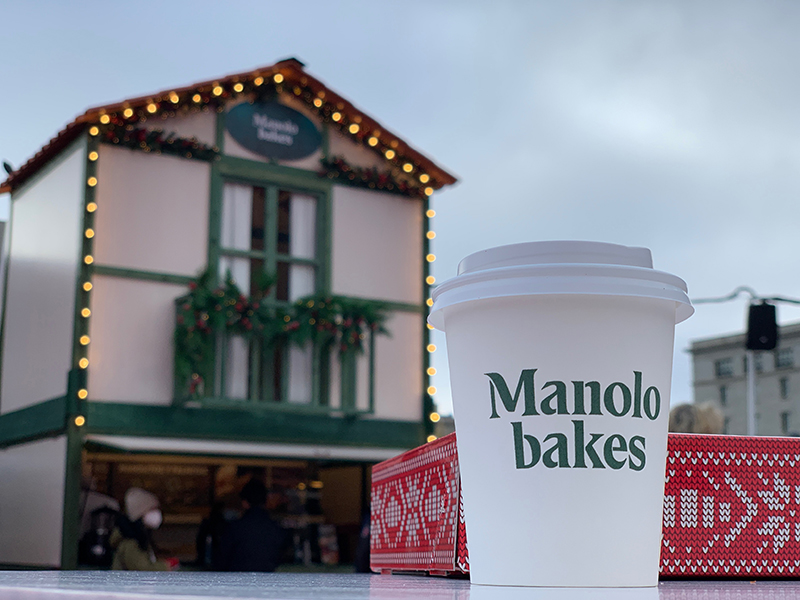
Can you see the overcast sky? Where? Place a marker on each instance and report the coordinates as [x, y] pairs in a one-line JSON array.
[[670, 125]]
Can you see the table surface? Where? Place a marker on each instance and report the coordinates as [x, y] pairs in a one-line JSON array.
[[120, 585]]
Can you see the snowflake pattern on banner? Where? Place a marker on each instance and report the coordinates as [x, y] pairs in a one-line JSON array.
[[731, 507], [415, 510]]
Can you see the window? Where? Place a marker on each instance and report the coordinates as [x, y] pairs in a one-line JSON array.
[[723, 395], [784, 358], [723, 367], [784, 385], [784, 423], [268, 231]]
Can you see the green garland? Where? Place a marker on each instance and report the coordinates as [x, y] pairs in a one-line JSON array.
[[341, 171], [323, 320], [156, 141]]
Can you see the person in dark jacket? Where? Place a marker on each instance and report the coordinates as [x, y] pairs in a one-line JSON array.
[[254, 542]]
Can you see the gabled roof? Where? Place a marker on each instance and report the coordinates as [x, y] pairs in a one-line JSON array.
[[287, 76]]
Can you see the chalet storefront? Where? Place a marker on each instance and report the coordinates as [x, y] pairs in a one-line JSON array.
[[207, 284]]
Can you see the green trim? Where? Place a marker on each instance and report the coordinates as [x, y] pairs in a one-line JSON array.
[[371, 372], [271, 231], [125, 273], [260, 173], [241, 425], [324, 236], [214, 221], [80, 325], [31, 423], [390, 305], [426, 334], [326, 142], [71, 518], [219, 131], [20, 567], [348, 381]]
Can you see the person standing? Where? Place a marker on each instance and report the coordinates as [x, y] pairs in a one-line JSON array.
[[133, 548], [254, 542]]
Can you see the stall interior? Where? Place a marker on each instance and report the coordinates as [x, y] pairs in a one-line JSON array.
[[320, 504]]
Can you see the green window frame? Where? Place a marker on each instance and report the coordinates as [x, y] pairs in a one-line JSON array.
[[273, 179]]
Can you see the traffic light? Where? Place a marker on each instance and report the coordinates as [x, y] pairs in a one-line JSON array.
[[762, 327]]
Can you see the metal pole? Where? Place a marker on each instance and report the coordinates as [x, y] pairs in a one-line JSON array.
[[751, 392]]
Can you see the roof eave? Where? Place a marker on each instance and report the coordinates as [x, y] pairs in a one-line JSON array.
[[290, 68]]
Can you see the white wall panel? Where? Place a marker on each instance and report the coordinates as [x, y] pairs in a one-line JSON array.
[[42, 273], [152, 211], [201, 126], [32, 502], [341, 145], [398, 368], [131, 351], [377, 245]]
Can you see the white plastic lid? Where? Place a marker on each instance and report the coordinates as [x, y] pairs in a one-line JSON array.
[[559, 267]]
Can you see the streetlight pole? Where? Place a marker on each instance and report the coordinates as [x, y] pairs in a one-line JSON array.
[[751, 391], [762, 334]]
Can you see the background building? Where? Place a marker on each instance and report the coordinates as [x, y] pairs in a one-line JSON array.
[[720, 377], [121, 368]]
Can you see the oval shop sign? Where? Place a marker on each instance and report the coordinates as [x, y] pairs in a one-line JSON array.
[[273, 130]]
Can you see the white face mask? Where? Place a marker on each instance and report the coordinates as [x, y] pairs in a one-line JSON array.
[[152, 519]]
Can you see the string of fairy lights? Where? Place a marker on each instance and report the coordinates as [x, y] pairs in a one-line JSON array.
[[330, 110]]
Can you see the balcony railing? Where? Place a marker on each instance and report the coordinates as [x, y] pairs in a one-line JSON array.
[[317, 354]]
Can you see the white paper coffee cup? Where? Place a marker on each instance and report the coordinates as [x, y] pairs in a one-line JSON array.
[[560, 365]]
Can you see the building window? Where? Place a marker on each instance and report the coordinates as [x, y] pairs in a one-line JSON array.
[[784, 385], [784, 423], [784, 358], [723, 395], [268, 231], [723, 367]]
